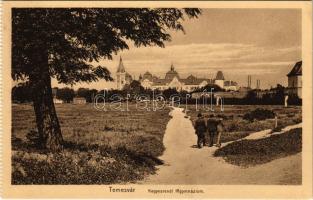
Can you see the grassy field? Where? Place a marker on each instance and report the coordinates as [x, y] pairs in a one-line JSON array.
[[252, 152], [117, 147], [236, 127], [101, 147]]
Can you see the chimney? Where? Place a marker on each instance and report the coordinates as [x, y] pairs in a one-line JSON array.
[[257, 84], [249, 81]]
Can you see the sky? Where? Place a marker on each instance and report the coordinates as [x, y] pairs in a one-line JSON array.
[[263, 43]]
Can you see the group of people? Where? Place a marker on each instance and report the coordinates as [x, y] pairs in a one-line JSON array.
[[211, 127]]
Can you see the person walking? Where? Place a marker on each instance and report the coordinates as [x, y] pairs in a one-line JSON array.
[[200, 128], [212, 129], [220, 129]]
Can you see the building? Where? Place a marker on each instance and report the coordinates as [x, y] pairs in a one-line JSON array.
[[230, 86], [224, 84], [173, 80], [231, 95], [219, 79], [122, 77], [57, 101], [262, 93], [79, 100], [224, 95], [295, 80]]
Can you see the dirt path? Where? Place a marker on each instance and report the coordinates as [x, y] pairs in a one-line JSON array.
[[185, 164]]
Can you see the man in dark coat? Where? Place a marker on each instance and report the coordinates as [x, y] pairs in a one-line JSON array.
[[212, 129], [200, 127]]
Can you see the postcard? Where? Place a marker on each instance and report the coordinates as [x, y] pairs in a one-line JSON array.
[[157, 99]]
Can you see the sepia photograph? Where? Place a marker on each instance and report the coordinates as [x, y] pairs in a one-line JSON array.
[[126, 97]]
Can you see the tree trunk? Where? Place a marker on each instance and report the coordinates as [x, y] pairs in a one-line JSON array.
[[46, 118]]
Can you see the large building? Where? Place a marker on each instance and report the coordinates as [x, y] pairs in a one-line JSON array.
[[295, 80], [173, 80], [122, 77]]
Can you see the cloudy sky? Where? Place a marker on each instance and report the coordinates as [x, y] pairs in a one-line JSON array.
[[264, 43]]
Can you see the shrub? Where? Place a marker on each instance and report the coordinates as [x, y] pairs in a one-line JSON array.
[[259, 114], [81, 164], [277, 129], [253, 152], [297, 120]]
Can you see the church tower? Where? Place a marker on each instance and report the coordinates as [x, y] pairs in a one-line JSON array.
[[120, 75], [219, 79]]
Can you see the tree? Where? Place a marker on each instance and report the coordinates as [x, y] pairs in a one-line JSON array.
[[279, 94], [251, 97], [86, 93], [63, 42], [134, 88], [170, 92], [65, 94], [21, 93], [210, 87]]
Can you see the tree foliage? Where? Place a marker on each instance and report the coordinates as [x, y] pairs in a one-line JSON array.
[[210, 87], [71, 39], [21, 93], [66, 94], [87, 93]]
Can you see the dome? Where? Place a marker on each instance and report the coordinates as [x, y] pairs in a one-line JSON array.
[[147, 75], [171, 74], [191, 77], [219, 76]]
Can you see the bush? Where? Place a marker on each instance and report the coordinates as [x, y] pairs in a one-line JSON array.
[[259, 114], [294, 100], [81, 164], [247, 153], [277, 129]]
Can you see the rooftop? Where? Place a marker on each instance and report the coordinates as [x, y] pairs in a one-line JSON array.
[[296, 70]]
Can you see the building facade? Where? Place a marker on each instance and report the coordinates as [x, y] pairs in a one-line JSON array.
[[173, 80], [295, 80]]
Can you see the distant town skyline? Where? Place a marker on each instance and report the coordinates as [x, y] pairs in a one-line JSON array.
[[263, 43]]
